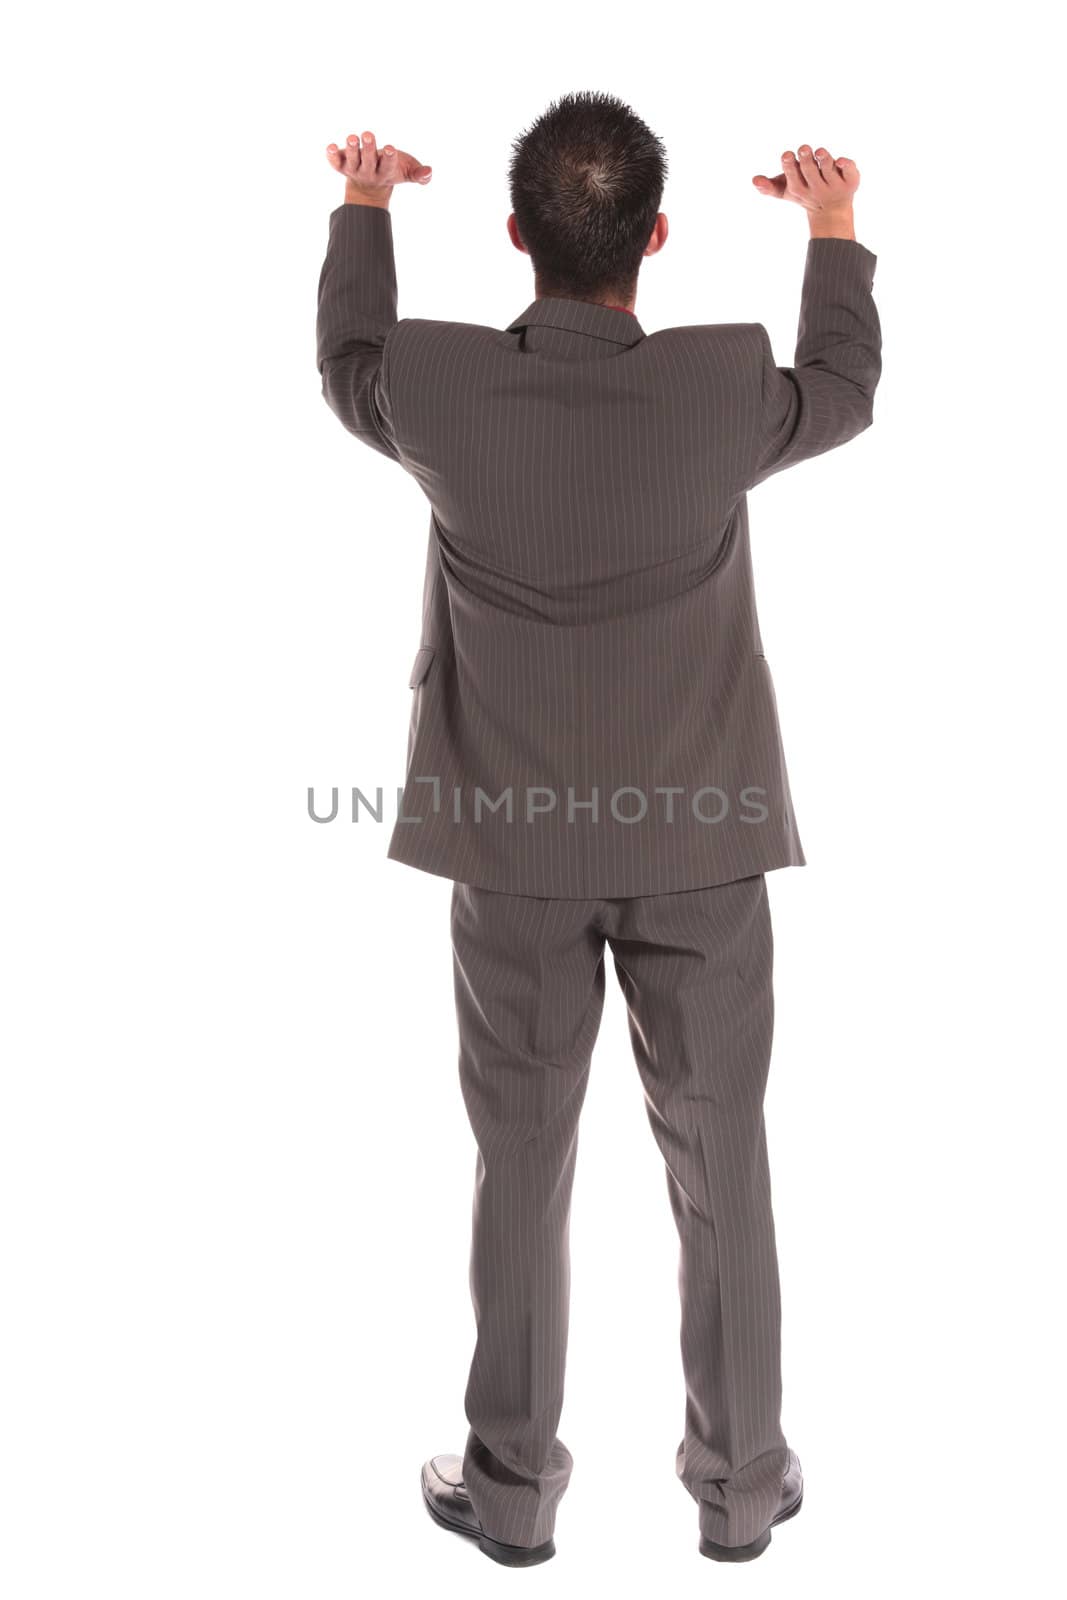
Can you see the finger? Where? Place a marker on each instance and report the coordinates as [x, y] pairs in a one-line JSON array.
[[794, 178], [333, 156], [809, 166], [411, 170], [825, 163], [772, 186], [368, 156], [389, 164], [351, 156]]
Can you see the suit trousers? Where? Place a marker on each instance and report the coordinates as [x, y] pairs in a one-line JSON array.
[[695, 969]]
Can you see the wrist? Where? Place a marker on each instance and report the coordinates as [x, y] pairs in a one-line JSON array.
[[380, 197], [832, 224]]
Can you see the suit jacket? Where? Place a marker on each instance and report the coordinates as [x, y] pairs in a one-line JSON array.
[[593, 715]]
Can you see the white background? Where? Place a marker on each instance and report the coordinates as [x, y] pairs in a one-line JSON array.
[[231, 1334]]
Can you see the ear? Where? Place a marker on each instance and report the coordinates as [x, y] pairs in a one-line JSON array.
[[659, 235], [513, 234]]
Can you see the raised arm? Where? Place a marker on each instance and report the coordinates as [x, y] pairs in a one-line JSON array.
[[357, 290], [827, 396]]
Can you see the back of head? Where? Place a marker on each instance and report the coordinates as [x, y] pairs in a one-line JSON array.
[[586, 181]]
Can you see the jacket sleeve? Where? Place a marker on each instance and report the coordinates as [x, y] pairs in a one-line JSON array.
[[356, 315], [827, 396]]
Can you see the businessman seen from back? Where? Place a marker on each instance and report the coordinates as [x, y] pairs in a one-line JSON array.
[[594, 761]]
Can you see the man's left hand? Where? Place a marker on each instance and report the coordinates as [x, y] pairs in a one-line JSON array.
[[371, 174]]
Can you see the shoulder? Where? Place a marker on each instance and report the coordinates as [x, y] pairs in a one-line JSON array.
[[735, 349], [413, 339], [741, 336], [426, 330]]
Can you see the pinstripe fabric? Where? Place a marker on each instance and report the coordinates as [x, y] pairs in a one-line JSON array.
[[695, 968], [590, 641]]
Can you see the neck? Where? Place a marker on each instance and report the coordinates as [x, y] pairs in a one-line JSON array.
[[619, 302]]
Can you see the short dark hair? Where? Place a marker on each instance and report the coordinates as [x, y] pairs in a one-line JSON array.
[[586, 180]]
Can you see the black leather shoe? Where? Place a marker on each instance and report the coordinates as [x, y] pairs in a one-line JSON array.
[[792, 1499], [449, 1504]]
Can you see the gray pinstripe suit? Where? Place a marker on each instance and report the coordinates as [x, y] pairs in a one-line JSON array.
[[594, 759]]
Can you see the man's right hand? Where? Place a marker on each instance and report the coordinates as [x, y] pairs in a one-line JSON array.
[[822, 186]]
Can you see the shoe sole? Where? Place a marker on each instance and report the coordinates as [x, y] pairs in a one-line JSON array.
[[748, 1552], [508, 1555]]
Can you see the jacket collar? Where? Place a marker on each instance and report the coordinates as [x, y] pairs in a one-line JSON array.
[[581, 316]]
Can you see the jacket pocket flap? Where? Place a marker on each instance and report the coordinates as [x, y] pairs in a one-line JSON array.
[[423, 657]]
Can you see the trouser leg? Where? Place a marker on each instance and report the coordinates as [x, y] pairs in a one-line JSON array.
[[696, 972], [529, 979]]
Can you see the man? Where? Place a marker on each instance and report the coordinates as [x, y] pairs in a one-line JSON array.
[[594, 758]]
